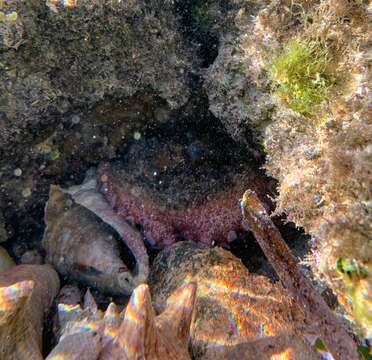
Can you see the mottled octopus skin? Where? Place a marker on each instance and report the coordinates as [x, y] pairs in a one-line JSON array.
[[214, 221]]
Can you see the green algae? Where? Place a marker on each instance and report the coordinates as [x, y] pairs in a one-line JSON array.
[[302, 76]]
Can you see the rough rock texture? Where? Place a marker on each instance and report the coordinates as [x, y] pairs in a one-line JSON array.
[[321, 160], [75, 84], [237, 314], [55, 59], [237, 86], [3, 234], [6, 261]]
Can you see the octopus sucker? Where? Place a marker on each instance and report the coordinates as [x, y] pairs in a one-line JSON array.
[[26, 294], [135, 333], [80, 240]]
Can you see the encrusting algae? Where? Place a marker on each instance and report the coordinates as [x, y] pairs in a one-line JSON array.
[[318, 141]]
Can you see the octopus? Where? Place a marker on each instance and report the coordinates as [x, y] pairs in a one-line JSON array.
[[156, 194], [181, 193]]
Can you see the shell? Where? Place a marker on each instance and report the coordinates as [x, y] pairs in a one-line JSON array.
[[26, 293], [237, 314], [136, 333], [81, 246]]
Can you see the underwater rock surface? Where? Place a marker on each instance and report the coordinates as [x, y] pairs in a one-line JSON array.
[[3, 234], [171, 100], [237, 314], [297, 76], [6, 261], [55, 59]]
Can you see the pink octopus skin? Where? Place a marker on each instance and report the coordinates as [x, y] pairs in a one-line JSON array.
[[216, 221]]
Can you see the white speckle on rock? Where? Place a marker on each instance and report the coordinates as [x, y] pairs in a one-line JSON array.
[[137, 135], [18, 172], [26, 192], [75, 119]]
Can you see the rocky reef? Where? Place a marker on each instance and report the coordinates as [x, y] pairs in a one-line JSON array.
[[56, 58], [297, 75], [127, 127]]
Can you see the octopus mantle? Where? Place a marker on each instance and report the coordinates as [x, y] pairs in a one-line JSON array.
[[212, 219]]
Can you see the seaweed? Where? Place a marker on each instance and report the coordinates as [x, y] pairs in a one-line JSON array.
[[302, 75]]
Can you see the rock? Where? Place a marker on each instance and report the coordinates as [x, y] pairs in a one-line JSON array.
[[112, 65], [236, 84], [238, 315], [83, 55], [3, 233], [32, 257], [6, 261]]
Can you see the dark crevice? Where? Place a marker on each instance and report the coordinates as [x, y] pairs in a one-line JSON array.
[[196, 27]]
